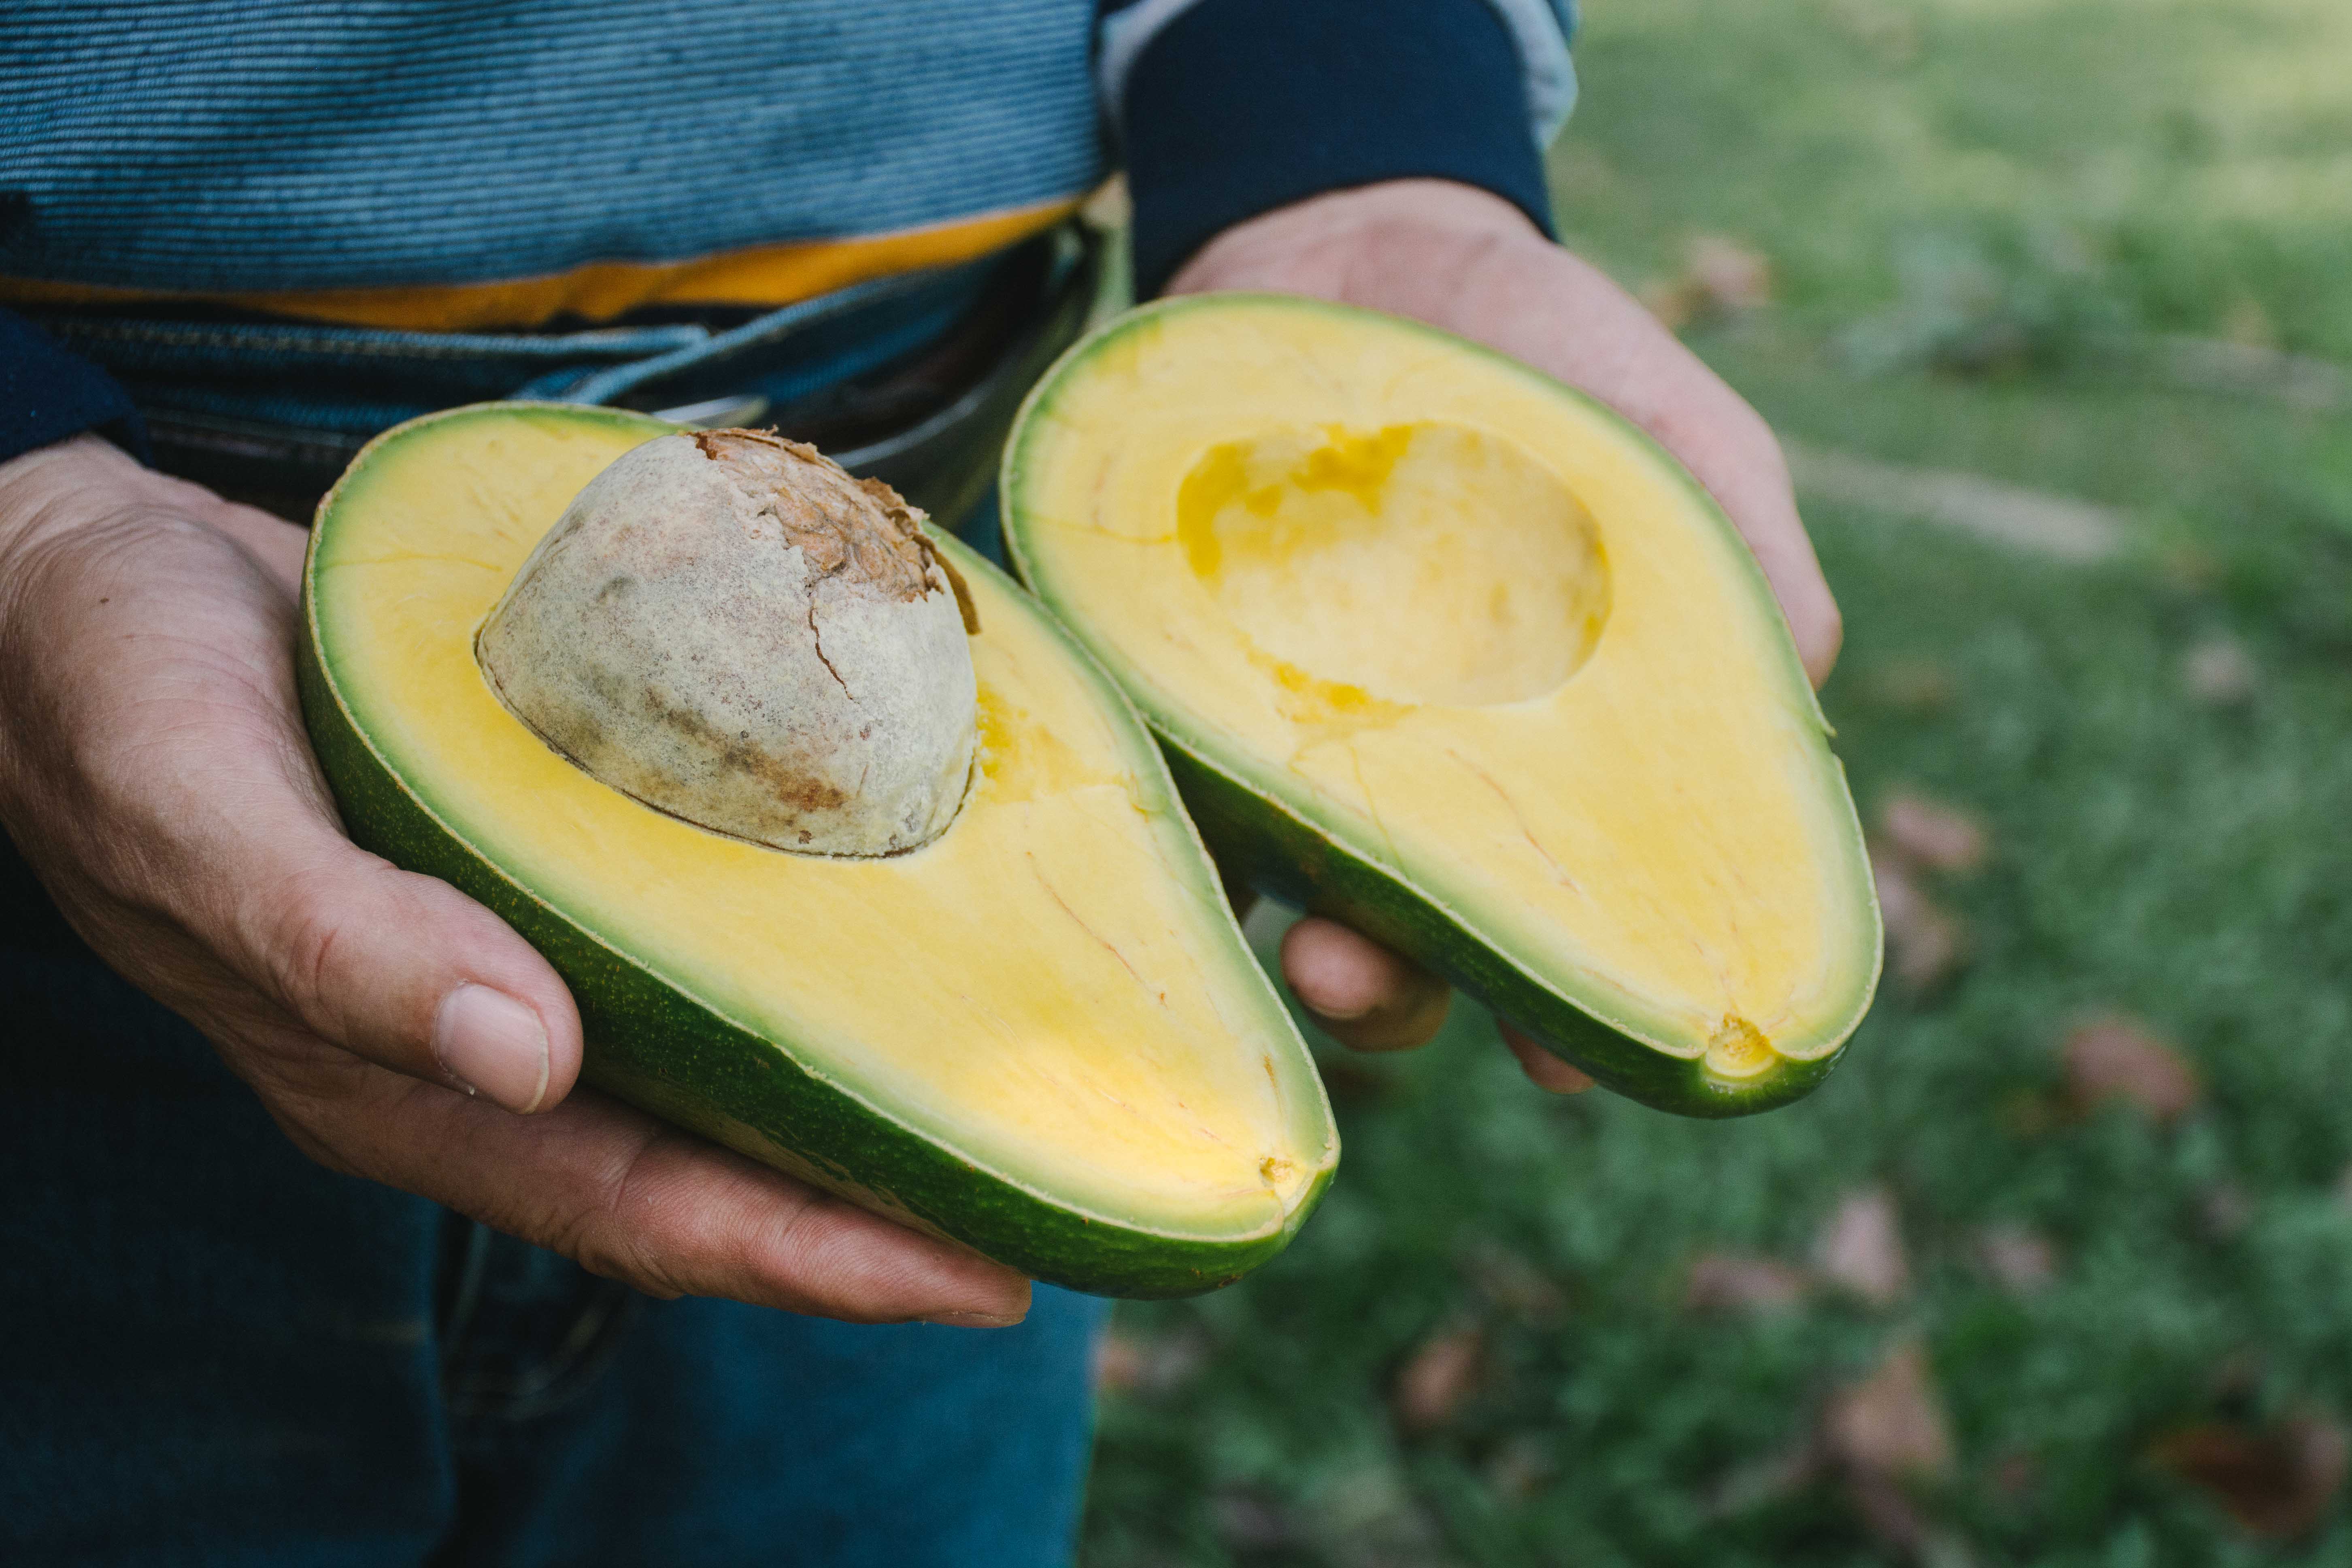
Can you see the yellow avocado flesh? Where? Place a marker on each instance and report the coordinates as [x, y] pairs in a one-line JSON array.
[[1052, 990], [1477, 629]]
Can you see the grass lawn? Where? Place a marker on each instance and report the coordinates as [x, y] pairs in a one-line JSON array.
[[1530, 1332]]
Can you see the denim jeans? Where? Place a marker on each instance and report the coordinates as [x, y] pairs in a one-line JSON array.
[[212, 1351]]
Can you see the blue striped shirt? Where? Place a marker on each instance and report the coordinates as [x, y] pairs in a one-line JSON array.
[[500, 162]]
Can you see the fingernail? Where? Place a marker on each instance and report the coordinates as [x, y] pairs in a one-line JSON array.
[[493, 1045], [970, 1320]]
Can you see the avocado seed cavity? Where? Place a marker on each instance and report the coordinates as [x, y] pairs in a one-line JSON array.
[[1423, 564]]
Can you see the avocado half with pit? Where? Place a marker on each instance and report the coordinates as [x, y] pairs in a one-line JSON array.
[[1441, 646], [1036, 1031]]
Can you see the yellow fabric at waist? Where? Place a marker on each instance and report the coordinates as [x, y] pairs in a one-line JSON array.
[[601, 290]]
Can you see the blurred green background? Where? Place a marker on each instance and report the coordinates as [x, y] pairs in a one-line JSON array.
[[2052, 300]]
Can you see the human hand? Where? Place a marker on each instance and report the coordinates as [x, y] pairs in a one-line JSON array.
[[1468, 261], [154, 773]]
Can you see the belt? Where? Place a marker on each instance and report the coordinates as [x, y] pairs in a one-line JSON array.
[[913, 379]]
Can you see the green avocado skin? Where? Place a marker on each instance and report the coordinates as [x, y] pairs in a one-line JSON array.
[[650, 1044], [1279, 854]]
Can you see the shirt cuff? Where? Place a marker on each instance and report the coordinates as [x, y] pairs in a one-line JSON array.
[[47, 393], [1236, 107]]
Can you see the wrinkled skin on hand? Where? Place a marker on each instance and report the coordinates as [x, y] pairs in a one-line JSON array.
[[154, 773], [1472, 263]]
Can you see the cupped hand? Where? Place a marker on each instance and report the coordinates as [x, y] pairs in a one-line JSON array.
[[1469, 261], [153, 772]]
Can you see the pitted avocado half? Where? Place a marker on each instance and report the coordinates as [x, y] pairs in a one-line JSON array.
[[1039, 1033], [1438, 644]]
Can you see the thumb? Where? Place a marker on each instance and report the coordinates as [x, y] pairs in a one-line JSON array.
[[404, 970]]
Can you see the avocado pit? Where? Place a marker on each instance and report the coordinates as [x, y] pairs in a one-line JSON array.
[[728, 626]]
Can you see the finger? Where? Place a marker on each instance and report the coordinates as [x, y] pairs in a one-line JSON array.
[[1563, 315], [1361, 993], [400, 968], [1545, 1070], [1729, 448], [179, 774], [1814, 623], [1763, 509], [631, 1197]]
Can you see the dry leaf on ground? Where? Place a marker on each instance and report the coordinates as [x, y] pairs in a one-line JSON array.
[[1136, 1363], [2220, 672], [1911, 686], [1119, 1363], [1932, 833], [1513, 1283], [1927, 944], [2022, 1261], [1730, 275], [1860, 1247], [1719, 276], [1887, 1432], [1436, 1378], [2277, 1482], [1741, 1281], [1886, 1435], [1892, 1422], [2118, 1058]]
